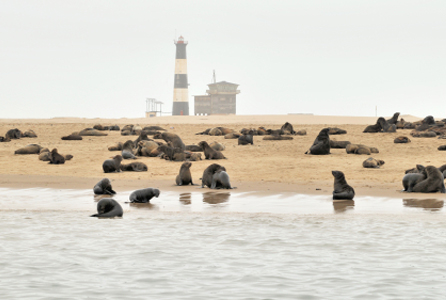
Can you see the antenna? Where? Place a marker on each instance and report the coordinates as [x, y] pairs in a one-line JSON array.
[[215, 79]]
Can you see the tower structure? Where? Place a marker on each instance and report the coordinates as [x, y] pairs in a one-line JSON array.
[[180, 88]]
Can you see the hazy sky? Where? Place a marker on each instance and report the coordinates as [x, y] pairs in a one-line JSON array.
[[104, 58]]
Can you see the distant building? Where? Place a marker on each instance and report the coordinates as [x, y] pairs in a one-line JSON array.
[[220, 99]]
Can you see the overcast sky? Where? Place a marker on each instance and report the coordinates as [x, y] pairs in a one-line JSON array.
[[104, 58]]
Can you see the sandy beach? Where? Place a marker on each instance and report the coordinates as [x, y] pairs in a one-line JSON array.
[[265, 167]]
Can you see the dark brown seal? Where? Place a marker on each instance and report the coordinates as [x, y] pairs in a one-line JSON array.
[[72, 137], [401, 140], [171, 137], [56, 158], [341, 189], [434, 182], [374, 128], [108, 208], [339, 144], [321, 145], [134, 167], [112, 165], [184, 177], [91, 132], [210, 153]]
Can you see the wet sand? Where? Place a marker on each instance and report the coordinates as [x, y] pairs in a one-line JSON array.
[[266, 167]]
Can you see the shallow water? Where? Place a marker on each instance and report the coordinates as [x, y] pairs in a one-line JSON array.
[[220, 246]]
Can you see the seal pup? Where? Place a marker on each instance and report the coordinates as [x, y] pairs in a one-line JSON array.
[[71, 137], [13, 134], [91, 132], [108, 208], [184, 177], [29, 134], [210, 153], [56, 158], [401, 140], [143, 195], [341, 189], [246, 139], [321, 145], [116, 147], [217, 146], [103, 187], [372, 163], [220, 180], [127, 150], [434, 182], [112, 165], [208, 174]]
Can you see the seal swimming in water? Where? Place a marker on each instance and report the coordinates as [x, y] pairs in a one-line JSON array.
[[208, 174], [108, 208], [321, 145], [434, 182], [143, 195], [220, 180], [184, 177], [103, 187], [112, 165], [341, 189]]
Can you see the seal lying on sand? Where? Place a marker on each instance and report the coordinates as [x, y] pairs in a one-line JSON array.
[[135, 167], [56, 158], [171, 137], [108, 208], [29, 149], [72, 137], [143, 195], [103, 187], [372, 163], [341, 189], [112, 165], [210, 153], [184, 177], [91, 132]]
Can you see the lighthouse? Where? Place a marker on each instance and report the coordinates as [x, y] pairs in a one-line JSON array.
[[180, 88]]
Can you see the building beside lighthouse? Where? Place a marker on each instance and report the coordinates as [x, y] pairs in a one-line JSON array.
[[220, 99], [180, 88]]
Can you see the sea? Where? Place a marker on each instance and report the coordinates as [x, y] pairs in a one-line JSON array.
[[221, 245]]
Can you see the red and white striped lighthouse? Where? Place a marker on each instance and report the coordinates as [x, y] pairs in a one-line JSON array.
[[180, 88]]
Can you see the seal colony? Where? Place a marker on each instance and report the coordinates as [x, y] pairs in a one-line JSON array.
[[268, 160]]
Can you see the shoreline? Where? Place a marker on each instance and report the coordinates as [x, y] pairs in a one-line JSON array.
[[252, 187]]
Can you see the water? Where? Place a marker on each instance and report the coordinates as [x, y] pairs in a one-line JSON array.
[[220, 246]]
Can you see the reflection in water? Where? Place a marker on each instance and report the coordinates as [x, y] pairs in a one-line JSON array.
[[215, 197], [185, 198], [429, 204], [341, 206], [147, 205], [99, 197]]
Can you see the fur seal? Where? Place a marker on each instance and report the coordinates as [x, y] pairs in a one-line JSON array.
[[208, 174], [360, 149], [276, 137], [394, 118], [442, 148], [56, 158], [341, 189], [135, 167], [29, 149], [335, 130], [72, 137], [171, 137], [103, 187], [153, 128], [372, 163], [220, 180], [339, 144], [215, 131], [246, 139], [127, 150], [184, 177], [287, 128], [195, 157], [321, 145], [411, 179], [194, 148], [168, 151], [401, 140], [112, 165], [29, 134], [386, 127], [434, 182], [374, 128], [108, 208], [217, 146], [232, 135], [210, 153], [301, 132], [425, 133], [116, 147], [13, 134], [91, 132], [145, 148], [143, 195]]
